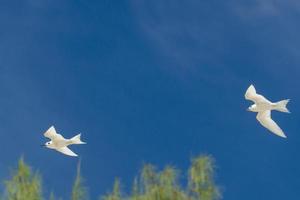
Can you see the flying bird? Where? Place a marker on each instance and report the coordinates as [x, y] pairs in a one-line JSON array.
[[59, 143], [264, 107]]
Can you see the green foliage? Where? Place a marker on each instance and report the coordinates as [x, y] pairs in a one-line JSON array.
[[115, 194], [79, 191], [150, 184], [160, 185], [52, 197], [164, 185], [23, 185], [201, 180]]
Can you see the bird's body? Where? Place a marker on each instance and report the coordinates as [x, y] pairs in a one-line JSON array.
[[59, 143], [264, 107]]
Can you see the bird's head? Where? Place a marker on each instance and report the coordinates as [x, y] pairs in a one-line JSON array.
[[48, 144], [252, 108]]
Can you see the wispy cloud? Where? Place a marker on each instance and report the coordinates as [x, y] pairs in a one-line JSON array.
[[186, 33], [264, 8], [204, 36], [256, 9], [276, 20]]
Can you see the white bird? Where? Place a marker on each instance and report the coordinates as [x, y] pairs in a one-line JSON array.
[[59, 143], [264, 107]]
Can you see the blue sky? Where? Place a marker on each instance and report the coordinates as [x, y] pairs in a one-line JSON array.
[[151, 81]]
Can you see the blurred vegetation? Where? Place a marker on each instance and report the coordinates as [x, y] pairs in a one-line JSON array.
[[23, 184], [150, 184], [79, 191]]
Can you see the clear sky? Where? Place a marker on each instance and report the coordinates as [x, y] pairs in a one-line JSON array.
[[153, 81]]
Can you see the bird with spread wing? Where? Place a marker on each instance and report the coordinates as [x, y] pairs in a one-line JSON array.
[[59, 143], [264, 107]]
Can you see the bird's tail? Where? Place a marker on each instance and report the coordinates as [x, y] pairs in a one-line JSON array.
[[76, 140], [281, 106]]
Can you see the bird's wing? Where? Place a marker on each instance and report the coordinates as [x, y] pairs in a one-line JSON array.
[[265, 119], [253, 96], [67, 151], [52, 134]]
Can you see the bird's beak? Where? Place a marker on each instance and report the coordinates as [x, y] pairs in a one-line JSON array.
[[42, 145], [248, 109]]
